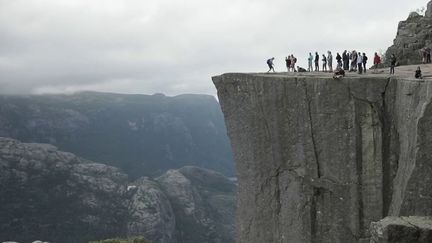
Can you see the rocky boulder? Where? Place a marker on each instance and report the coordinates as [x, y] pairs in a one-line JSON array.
[[413, 34], [402, 230]]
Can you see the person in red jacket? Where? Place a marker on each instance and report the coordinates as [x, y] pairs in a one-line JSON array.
[[377, 61]]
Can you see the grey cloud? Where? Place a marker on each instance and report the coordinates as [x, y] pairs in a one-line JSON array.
[[175, 46]]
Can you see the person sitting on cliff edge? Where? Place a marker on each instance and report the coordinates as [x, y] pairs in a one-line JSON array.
[[418, 73], [270, 64], [339, 72]]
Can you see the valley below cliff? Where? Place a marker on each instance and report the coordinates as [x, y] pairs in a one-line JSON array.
[[59, 197]]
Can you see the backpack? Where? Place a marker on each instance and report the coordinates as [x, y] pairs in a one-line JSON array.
[[269, 62], [295, 59]]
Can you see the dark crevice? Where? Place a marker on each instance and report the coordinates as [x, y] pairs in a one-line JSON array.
[[315, 222], [387, 139], [314, 144], [317, 192], [359, 165]]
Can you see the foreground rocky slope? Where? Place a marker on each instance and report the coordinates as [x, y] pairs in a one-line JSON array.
[[58, 197], [203, 202], [413, 34], [144, 135], [319, 159]]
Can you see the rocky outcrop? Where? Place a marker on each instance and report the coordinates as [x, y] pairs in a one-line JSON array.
[[428, 12], [319, 159], [402, 230], [413, 34], [144, 135], [59, 197], [53, 195], [150, 212], [203, 202]]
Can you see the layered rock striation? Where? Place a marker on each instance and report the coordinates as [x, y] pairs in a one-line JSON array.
[[319, 159]]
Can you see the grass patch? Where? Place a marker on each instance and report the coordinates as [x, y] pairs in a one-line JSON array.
[[133, 240]]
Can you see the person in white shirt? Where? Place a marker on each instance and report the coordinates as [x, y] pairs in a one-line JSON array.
[[360, 63], [330, 61]]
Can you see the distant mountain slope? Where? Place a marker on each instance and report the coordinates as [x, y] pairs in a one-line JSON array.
[[58, 197], [142, 134]]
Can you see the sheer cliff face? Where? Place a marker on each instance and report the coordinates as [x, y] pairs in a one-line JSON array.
[[319, 159]]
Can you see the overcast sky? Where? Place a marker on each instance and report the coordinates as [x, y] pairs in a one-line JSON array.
[[175, 46]]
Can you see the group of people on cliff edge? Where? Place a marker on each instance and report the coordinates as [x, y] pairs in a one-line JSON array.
[[348, 61]]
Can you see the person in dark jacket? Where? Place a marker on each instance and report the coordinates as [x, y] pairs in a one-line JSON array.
[[324, 63], [365, 58], [288, 62], [316, 62], [418, 73], [338, 59], [345, 59], [270, 64], [393, 61]]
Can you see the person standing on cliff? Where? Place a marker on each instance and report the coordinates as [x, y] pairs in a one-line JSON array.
[[330, 61], [324, 63], [316, 62], [270, 64], [360, 63], [377, 61], [424, 55], [345, 59], [393, 61], [428, 54], [288, 62], [338, 59], [293, 63], [353, 61], [365, 58], [310, 59]]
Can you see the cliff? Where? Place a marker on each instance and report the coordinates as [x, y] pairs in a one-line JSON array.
[[319, 159]]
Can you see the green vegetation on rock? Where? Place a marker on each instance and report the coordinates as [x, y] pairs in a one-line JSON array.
[[134, 240]]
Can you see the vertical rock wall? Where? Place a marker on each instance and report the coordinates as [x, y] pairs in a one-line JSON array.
[[319, 159]]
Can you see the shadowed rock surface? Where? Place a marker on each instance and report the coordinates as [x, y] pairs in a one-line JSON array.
[[59, 197], [144, 135], [319, 159], [402, 230], [204, 204], [413, 34], [150, 212]]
